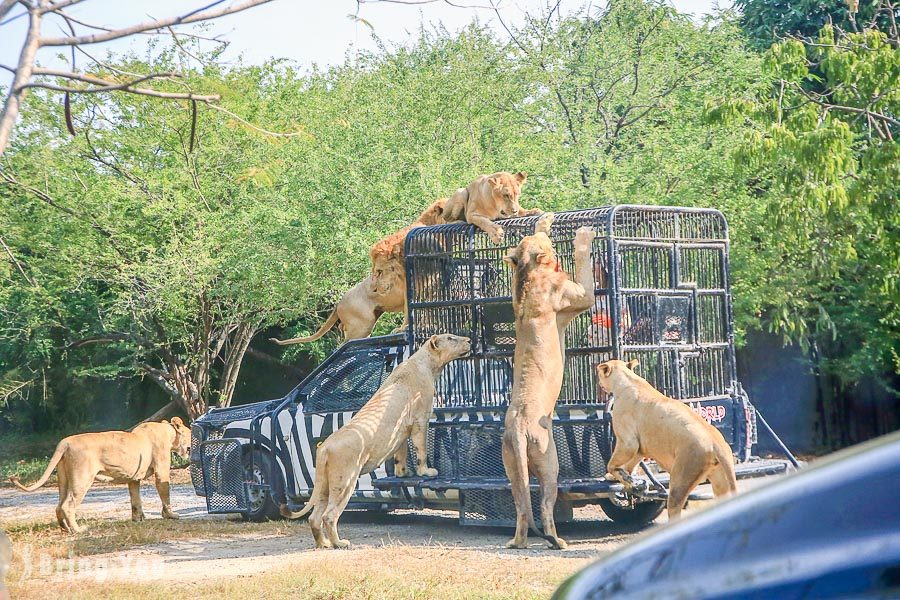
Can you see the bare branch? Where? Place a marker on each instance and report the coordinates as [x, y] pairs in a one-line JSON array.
[[6, 6], [850, 109], [16, 262], [418, 2], [60, 5], [105, 85], [139, 91], [155, 25], [252, 126], [165, 411]]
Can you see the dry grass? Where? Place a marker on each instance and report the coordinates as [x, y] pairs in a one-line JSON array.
[[103, 536], [399, 572]]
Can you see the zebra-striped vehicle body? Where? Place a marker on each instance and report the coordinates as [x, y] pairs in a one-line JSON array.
[[662, 296]]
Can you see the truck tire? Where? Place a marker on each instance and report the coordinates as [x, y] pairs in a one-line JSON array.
[[642, 513], [261, 505]]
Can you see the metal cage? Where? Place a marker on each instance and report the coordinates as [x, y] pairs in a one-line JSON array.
[[661, 295]]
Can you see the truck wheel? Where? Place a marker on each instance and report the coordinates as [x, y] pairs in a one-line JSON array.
[[261, 505], [641, 514]]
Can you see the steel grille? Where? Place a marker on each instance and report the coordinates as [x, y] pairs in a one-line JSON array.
[[198, 435], [661, 295], [495, 508], [223, 416], [223, 476]]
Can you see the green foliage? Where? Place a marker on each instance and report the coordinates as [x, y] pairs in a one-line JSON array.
[[124, 230], [770, 21], [820, 145]]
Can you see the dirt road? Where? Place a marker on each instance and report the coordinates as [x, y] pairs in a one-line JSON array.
[[409, 542]]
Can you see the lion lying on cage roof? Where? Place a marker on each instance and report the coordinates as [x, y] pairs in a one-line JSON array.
[[488, 198]]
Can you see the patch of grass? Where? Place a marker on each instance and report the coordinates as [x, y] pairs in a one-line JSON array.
[[105, 535], [397, 572], [26, 455], [47, 539]]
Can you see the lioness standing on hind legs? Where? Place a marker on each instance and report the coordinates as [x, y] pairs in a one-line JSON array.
[[545, 301], [399, 410], [648, 423]]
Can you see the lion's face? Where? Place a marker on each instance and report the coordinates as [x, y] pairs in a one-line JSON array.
[[387, 272], [608, 370], [182, 443], [449, 346], [506, 189], [533, 251]]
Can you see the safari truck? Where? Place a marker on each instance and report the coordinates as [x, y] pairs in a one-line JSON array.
[[661, 296]]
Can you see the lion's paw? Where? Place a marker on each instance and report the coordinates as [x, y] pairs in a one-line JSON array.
[[584, 236], [497, 235], [543, 224], [515, 544], [342, 544], [427, 472], [169, 514]]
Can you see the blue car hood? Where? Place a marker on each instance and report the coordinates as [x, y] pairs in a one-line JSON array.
[[832, 530]]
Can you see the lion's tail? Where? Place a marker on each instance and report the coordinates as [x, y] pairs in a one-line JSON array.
[[520, 457], [325, 328], [320, 489], [54, 460], [722, 477]]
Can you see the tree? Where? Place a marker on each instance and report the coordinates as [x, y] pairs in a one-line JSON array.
[[768, 21], [87, 82], [604, 83], [133, 253], [821, 148]]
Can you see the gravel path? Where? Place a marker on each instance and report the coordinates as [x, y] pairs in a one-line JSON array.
[[375, 537]]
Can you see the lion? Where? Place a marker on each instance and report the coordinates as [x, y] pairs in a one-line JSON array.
[[488, 198], [400, 409], [358, 311], [544, 301], [122, 456], [382, 291], [388, 256], [648, 423]]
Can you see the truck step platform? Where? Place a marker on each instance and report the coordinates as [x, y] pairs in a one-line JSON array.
[[746, 470]]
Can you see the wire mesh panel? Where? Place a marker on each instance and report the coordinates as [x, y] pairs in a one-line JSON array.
[[223, 476], [350, 377], [198, 435], [496, 508]]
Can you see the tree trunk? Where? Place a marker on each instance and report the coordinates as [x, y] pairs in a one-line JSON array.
[[165, 411], [23, 75], [234, 358]]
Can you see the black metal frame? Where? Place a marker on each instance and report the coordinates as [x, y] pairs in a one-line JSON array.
[[688, 240]]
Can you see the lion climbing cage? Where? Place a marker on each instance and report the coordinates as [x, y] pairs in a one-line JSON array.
[[661, 295]]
